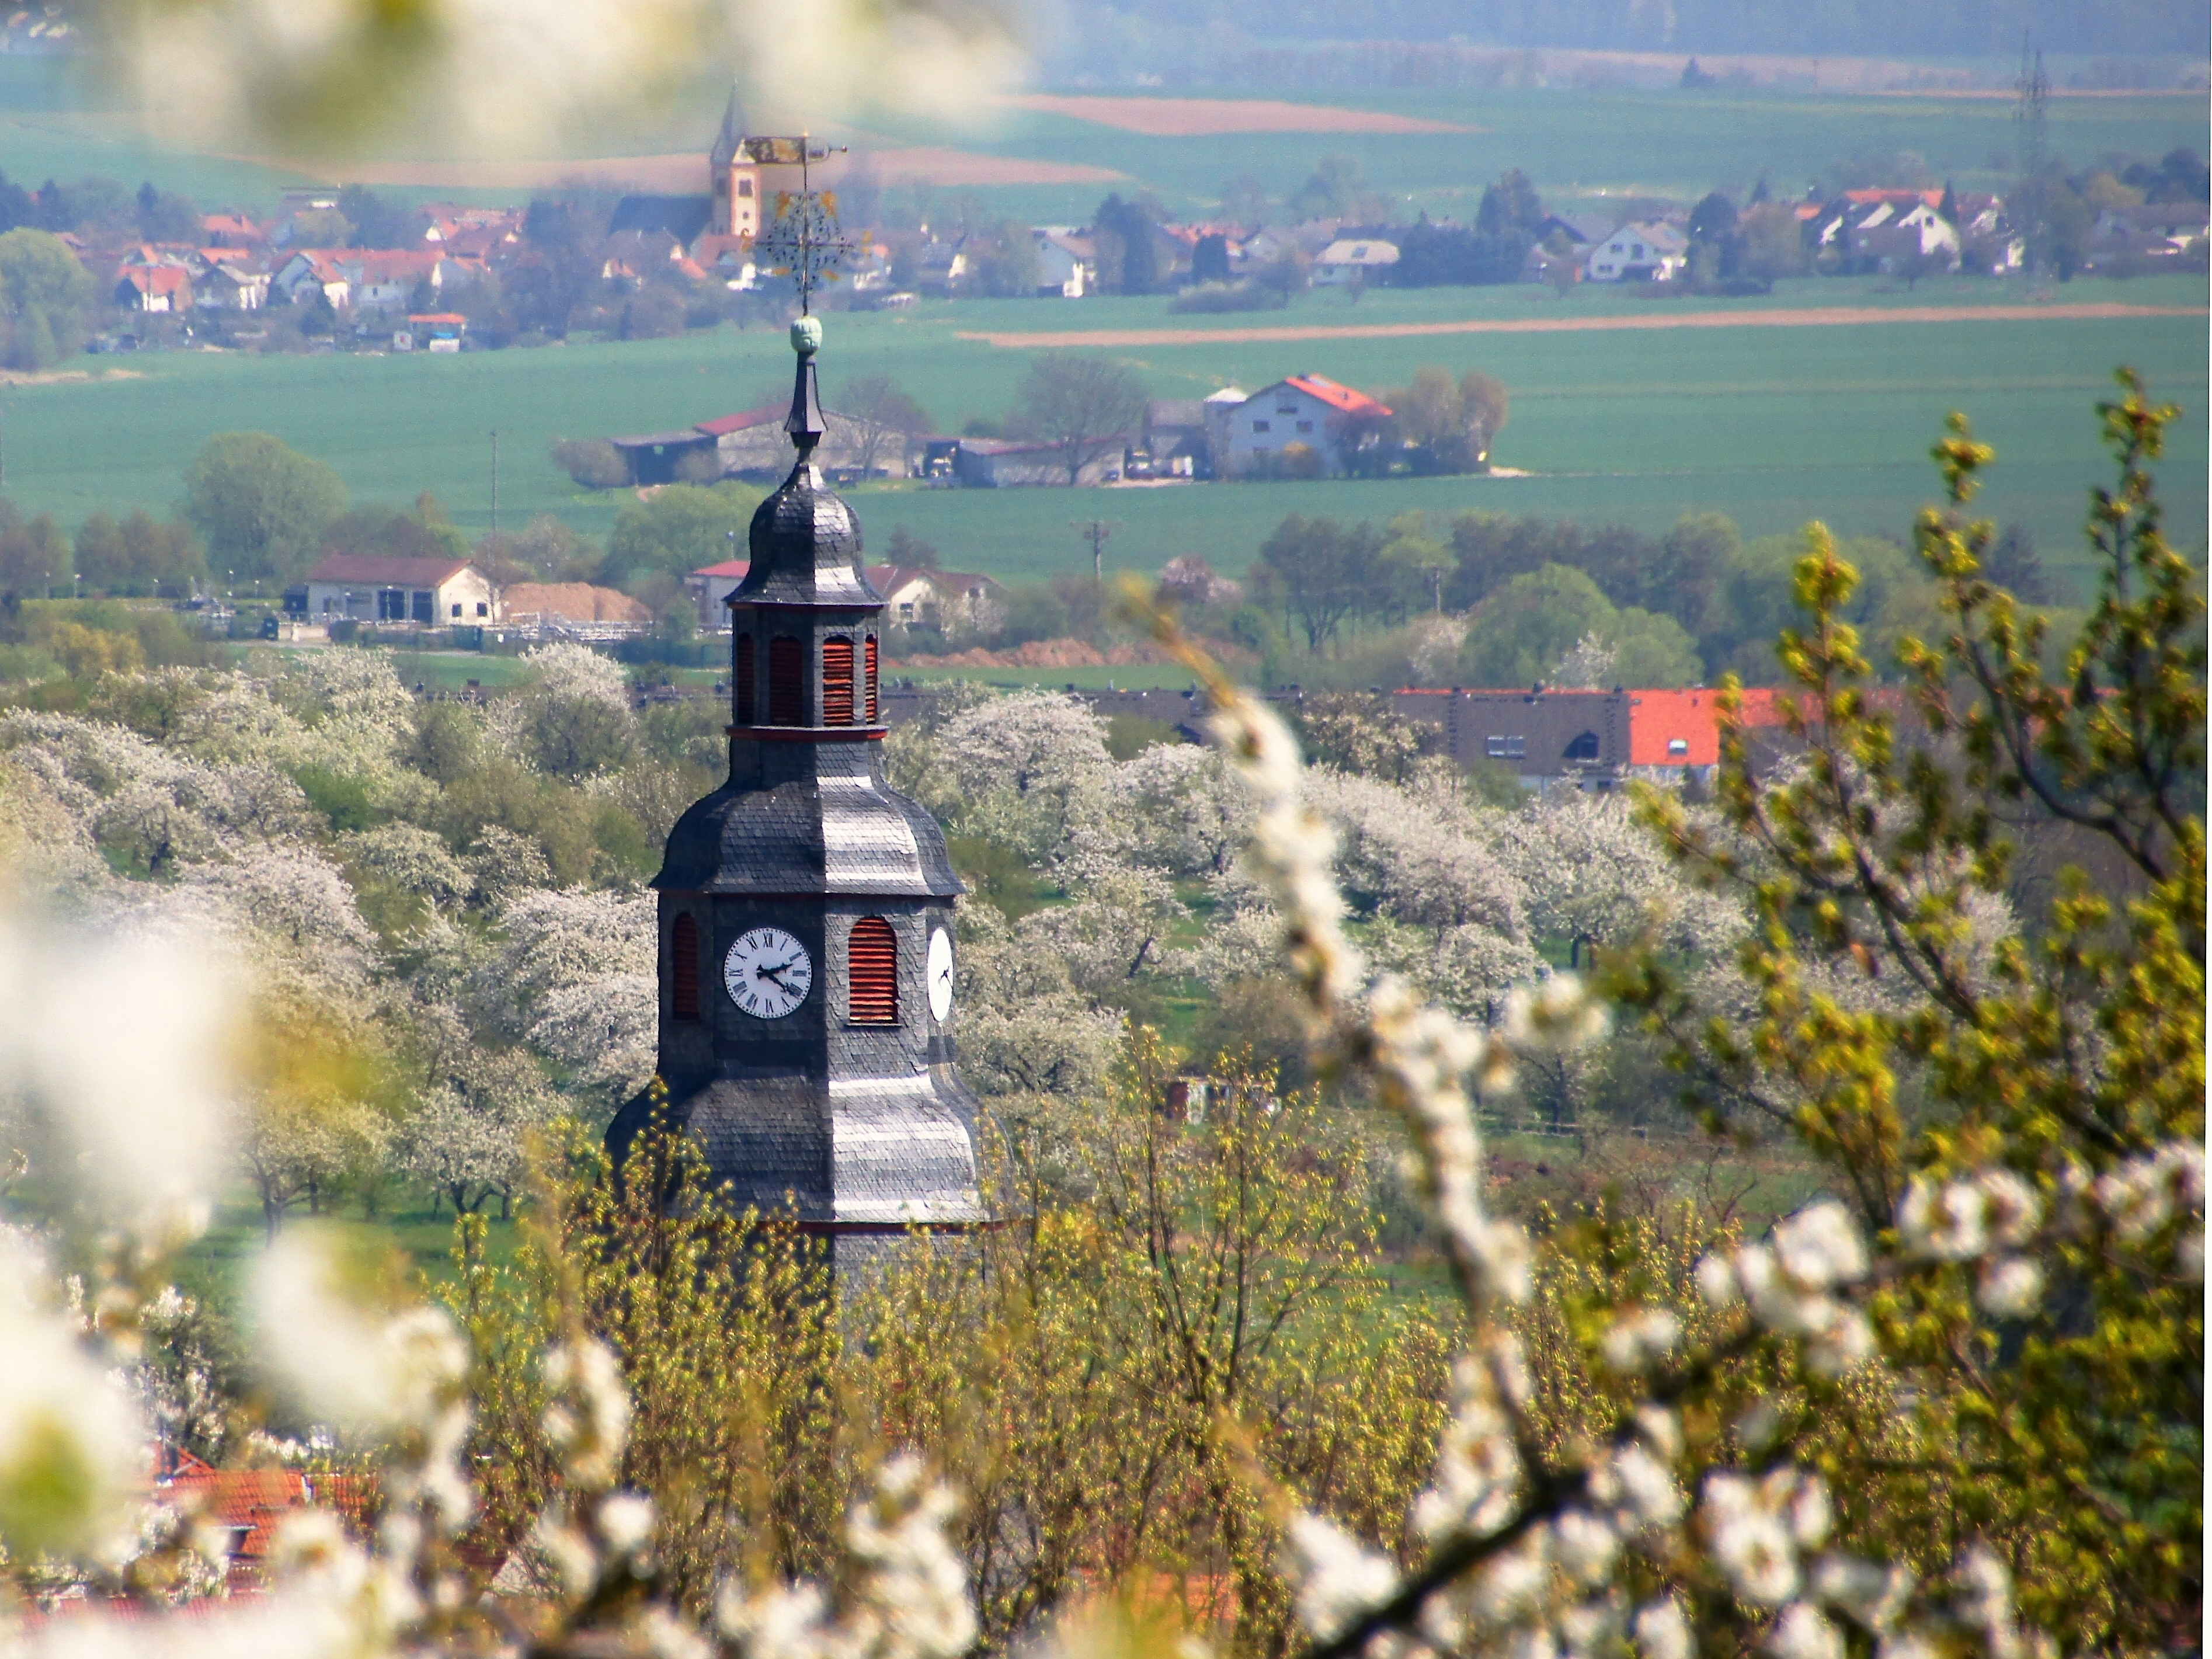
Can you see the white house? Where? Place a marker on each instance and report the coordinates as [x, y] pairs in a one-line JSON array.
[[1886, 235], [1651, 251], [312, 268], [1067, 265], [1353, 262], [227, 287], [1305, 409], [371, 587]]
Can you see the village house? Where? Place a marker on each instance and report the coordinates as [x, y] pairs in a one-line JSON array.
[[310, 269], [1646, 251], [390, 276], [154, 289], [1890, 237], [229, 286], [373, 587], [1305, 410], [913, 596], [752, 444], [1364, 263], [1010, 463], [1585, 740], [232, 230], [1067, 263]]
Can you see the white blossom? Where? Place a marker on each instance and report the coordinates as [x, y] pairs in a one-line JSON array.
[[1872, 1593], [1803, 1631], [358, 1366], [1662, 1630], [2009, 1287], [1338, 1577], [1639, 1339]]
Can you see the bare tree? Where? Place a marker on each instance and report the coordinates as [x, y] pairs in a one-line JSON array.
[[885, 414], [1083, 407]]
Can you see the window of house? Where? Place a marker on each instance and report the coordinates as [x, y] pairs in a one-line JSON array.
[[872, 973], [906, 612], [391, 605], [1678, 747], [684, 969], [1258, 427], [873, 707], [1305, 426], [1286, 409], [745, 189], [482, 609], [837, 681], [741, 675], [1505, 748], [787, 682], [1583, 747], [1635, 252], [457, 610], [426, 607]]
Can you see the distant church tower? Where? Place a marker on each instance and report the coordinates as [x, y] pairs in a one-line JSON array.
[[807, 955], [734, 179]]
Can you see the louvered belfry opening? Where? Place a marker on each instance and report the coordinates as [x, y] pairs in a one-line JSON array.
[[837, 681], [873, 707], [684, 969], [871, 969], [743, 674], [787, 682]]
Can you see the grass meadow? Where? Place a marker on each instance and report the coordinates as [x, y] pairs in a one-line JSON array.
[[1771, 425]]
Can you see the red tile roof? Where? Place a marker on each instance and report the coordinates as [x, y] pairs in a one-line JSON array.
[[1656, 719], [158, 279], [744, 420], [1341, 398], [378, 568]]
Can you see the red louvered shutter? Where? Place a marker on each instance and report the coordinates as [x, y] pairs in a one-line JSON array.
[[872, 709], [787, 682], [871, 965], [837, 681], [684, 969], [743, 674]]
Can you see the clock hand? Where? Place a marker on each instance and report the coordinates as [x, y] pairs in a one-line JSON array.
[[774, 976]]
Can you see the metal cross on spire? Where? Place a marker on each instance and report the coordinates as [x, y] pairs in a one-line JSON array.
[[802, 242]]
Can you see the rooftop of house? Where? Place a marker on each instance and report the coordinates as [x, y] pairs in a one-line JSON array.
[[744, 421], [394, 572], [573, 602], [1342, 399]]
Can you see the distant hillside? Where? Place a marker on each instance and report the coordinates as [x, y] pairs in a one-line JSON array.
[[1258, 41]]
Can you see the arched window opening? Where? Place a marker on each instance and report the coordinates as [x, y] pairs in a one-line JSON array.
[[787, 682], [742, 676], [837, 681], [684, 969], [873, 705], [1583, 747], [871, 971]]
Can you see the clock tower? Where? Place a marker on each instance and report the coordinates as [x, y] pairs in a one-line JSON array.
[[806, 957]]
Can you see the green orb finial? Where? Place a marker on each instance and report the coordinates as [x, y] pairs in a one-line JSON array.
[[807, 335]]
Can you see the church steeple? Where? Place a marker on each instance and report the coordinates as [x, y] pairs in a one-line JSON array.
[[806, 957]]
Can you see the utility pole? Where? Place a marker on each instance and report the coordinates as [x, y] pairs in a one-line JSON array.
[[2029, 116], [1096, 531], [494, 481]]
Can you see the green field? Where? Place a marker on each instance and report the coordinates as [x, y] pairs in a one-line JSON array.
[[1573, 143], [1771, 425]]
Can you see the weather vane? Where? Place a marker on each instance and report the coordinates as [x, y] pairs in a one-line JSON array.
[[802, 242]]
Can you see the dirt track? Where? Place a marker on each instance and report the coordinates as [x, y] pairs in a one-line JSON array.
[[952, 168], [1196, 118], [1801, 317]]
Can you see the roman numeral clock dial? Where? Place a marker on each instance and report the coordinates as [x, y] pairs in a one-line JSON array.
[[768, 973]]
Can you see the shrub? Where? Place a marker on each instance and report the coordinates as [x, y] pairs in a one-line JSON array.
[[592, 462]]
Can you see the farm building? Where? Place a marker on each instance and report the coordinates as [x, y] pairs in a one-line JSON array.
[[1306, 411], [752, 444], [372, 587], [1067, 263]]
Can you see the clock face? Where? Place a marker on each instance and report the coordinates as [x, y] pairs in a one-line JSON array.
[[768, 973], [940, 974]]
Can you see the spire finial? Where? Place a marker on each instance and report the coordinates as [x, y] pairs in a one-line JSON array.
[[804, 422]]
